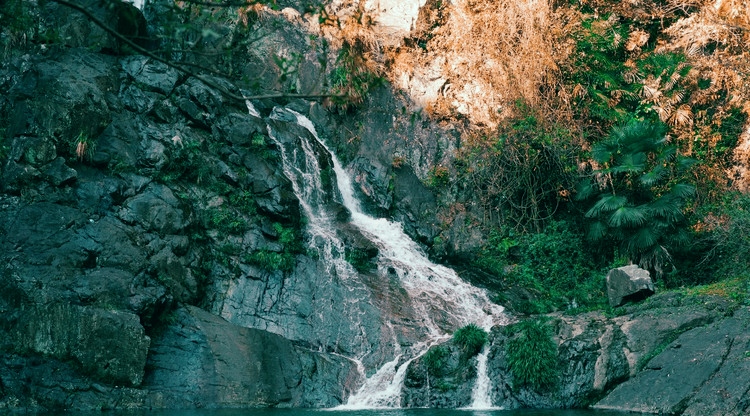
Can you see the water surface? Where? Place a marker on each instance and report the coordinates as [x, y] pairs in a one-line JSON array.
[[370, 412]]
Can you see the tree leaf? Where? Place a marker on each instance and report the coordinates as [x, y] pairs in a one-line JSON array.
[[597, 231], [585, 190], [667, 207], [642, 240], [683, 190]]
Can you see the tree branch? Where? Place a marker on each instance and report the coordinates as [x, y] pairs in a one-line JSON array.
[[180, 67]]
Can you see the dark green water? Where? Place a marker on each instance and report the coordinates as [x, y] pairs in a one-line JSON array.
[[388, 412]]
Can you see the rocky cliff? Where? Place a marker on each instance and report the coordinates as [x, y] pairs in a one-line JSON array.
[[152, 255]]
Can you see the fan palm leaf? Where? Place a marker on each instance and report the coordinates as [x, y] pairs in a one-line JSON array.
[[597, 230], [628, 217], [605, 204], [682, 190], [642, 240], [654, 176]]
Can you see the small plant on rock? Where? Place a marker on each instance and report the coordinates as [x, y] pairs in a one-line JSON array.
[[532, 355], [471, 338]]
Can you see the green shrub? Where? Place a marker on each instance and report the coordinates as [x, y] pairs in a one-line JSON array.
[[532, 355], [471, 338], [554, 266], [434, 360], [271, 260]]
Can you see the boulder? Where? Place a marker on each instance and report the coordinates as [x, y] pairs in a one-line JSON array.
[[627, 284]]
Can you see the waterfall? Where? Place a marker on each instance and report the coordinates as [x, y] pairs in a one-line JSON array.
[[439, 296]]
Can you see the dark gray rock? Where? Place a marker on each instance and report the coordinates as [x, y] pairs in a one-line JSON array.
[[109, 345], [669, 381], [628, 283], [156, 209], [154, 75], [447, 384], [58, 173], [202, 360]]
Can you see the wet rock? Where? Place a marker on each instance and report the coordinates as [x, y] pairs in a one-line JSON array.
[[204, 359], [672, 377], [58, 173], [109, 345]]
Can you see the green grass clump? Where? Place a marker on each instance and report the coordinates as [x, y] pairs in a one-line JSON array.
[[471, 338], [532, 355]]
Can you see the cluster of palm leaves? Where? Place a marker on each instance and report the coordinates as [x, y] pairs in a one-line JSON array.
[[638, 204]]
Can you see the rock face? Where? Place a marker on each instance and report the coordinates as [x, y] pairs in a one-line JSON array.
[[701, 372], [151, 256], [628, 283]]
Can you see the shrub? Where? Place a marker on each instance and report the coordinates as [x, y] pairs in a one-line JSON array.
[[532, 355], [434, 360], [471, 338], [553, 265]]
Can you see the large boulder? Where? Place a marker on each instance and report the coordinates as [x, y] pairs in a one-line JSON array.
[[627, 284]]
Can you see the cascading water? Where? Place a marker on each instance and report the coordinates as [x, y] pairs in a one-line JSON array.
[[437, 294]]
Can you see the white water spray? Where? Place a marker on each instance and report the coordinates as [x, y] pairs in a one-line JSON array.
[[442, 299]]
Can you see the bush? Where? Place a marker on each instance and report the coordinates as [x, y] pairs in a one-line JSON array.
[[532, 355], [471, 338], [435, 359], [553, 265]]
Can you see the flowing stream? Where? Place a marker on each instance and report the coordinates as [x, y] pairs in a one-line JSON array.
[[436, 292]]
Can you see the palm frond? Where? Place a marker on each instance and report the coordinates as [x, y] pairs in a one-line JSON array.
[[667, 154], [667, 207], [642, 240], [603, 151], [627, 217], [631, 162], [683, 190], [654, 176], [585, 190], [685, 163], [607, 203], [597, 231]]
